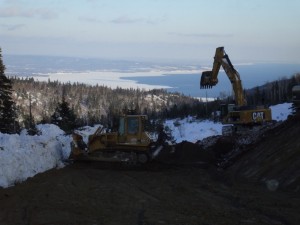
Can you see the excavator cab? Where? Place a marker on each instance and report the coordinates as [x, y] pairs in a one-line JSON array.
[[225, 109]]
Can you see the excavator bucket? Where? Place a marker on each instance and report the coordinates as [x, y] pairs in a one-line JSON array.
[[205, 81]]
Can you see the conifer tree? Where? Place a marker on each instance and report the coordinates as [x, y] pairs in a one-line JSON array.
[[64, 117], [8, 115], [30, 123]]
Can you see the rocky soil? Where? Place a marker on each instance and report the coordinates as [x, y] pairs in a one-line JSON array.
[[242, 180]]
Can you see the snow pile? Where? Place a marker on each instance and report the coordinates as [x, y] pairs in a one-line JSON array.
[[23, 156], [281, 112], [192, 130]]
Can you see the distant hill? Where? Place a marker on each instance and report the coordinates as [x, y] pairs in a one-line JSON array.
[[94, 104], [274, 92], [28, 65]]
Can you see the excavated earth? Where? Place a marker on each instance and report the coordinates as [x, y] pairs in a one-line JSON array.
[[242, 180]]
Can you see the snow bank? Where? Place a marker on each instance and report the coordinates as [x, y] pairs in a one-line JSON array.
[[192, 130], [23, 156], [281, 112]]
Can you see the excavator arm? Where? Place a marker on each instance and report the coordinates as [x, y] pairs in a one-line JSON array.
[[210, 78]]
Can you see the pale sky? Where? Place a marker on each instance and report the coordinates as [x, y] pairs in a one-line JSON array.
[[183, 30]]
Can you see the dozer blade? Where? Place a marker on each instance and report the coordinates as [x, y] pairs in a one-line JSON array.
[[205, 81], [78, 147]]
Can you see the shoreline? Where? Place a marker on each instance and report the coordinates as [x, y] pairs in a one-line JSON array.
[[112, 79]]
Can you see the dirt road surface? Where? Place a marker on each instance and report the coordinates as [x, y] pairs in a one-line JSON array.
[[104, 194]]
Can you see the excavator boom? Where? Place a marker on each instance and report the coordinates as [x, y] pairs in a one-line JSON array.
[[210, 78]]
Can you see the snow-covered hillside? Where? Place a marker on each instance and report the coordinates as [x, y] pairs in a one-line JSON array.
[[23, 156]]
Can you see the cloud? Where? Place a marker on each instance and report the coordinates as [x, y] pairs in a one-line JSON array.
[[91, 1], [89, 19], [13, 1], [130, 20], [15, 11], [12, 27], [126, 19], [201, 35]]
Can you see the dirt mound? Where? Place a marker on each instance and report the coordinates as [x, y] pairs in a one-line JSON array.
[[274, 159], [209, 150], [186, 153], [270, 156]]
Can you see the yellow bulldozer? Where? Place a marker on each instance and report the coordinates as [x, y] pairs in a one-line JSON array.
[[130, 144], [239, 115]]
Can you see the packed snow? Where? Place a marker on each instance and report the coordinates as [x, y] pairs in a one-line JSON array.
[[189, 129], [23, 156], [281, 112]]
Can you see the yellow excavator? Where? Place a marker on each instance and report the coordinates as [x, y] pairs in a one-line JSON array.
[[239, 115], [130, 144]]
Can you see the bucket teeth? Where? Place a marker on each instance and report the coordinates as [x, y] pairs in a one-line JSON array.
[[206, 86]]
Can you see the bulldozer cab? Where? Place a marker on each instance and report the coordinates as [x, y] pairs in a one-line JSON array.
[[131, 128]]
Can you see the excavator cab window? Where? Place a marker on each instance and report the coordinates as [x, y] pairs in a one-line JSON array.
[[231, 107], [226, 108], [223, 110], [296, 98], [296, 94]]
